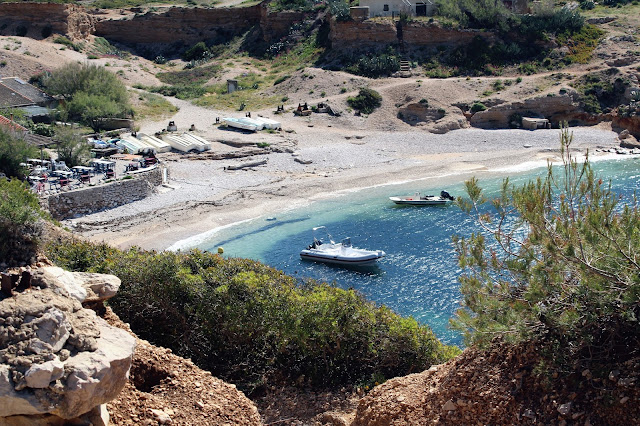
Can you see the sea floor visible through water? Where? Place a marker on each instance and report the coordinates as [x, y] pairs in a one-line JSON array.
[[418, 277]]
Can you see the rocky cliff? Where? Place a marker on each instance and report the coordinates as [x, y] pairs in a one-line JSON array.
[[350, 34], [185, 26], [36, 19], [179, 26]]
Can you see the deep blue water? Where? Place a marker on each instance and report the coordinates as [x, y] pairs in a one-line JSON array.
[[419, 275]]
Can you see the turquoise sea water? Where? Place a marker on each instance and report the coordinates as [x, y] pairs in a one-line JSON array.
[[419, 275]]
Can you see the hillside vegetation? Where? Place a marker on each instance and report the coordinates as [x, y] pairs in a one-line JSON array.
[[251, 324], [557, 265], [550, 39]]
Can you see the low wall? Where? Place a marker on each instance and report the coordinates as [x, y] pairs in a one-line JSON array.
[[80, 202]]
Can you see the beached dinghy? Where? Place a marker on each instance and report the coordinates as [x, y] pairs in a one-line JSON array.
[[342, 253], [424, 200], [244, 123]]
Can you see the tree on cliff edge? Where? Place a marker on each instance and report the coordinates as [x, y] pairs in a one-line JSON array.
[[558, 263], [91, 93]]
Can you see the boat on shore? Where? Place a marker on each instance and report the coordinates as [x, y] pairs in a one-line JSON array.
[[244, 123], [424, 200], [341, 253]]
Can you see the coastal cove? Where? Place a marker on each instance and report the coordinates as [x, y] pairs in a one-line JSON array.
[[418, 276]]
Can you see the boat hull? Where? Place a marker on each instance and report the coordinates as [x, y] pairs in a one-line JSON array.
[[408, 201], [340, 260]]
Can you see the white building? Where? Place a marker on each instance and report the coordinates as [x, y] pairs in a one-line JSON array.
[[396, 7]]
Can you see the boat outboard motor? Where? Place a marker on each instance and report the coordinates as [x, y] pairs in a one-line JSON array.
[[314, 244], [445, 194]]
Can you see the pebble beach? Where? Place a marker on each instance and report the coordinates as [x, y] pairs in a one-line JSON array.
[[309, 160]]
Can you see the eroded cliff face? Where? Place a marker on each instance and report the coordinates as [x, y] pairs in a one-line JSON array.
[[167, 26], [632, 124], [179, 25], [35, 19], [418, 33]]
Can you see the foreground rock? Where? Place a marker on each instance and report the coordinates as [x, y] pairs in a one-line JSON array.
[[166, 389], [59, 361]]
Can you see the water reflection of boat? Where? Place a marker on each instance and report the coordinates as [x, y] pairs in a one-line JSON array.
[[424, 200], [341, 253]]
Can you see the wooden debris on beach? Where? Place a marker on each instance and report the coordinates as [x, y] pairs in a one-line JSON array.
[[247, 165]]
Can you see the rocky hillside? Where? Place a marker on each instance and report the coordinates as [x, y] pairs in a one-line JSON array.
[[501, 386], [166, 389]]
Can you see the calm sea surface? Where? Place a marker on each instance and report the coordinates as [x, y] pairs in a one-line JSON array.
[[419, 275]]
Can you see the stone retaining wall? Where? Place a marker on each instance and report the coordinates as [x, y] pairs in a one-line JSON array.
[[79, 202], [349, 34]]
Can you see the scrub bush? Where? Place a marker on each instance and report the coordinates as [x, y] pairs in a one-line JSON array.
[[249, 323], [366, 102], [20, 223], [556, 265]]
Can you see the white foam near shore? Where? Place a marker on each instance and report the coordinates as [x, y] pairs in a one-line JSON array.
[[196, 240]]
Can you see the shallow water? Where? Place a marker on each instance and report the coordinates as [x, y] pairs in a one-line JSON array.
[[419, 275]]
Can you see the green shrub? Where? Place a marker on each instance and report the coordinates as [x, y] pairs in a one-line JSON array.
[[196, 52], [299, 5], [14, 151], [340, 10], [478, 106], [560, 274], [66, 42], [374, 66], [20, 223], [366, 102], [180, 92], [248, 323], [281, 79], [199, 75]]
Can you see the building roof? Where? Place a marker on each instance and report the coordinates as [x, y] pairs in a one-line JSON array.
[[38, 140], [26, 90], [11, 125], [9, 98], [30, 138]]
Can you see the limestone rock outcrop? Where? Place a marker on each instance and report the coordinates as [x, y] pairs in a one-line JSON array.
[[554, 108], [58, 360], [84, 286], [632, 124]]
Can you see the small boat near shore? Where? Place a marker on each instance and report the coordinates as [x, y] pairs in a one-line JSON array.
[[424, 200], [341, 253], [244, 123]]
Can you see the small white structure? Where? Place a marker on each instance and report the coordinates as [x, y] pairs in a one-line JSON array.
[[396, 7], [158, 144], [268, 123], [187, 142], [535, 123]]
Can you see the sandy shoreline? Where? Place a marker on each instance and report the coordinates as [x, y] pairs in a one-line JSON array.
[[202, 195]]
